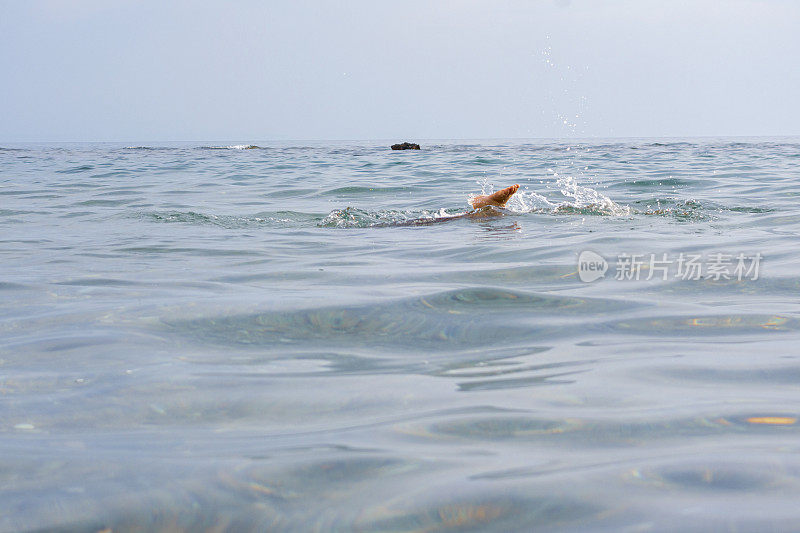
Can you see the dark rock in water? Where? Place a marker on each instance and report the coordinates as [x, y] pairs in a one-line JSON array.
[[405, 146]]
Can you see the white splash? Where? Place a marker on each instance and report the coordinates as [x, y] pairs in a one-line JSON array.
[[232, 147], [579, 197], [486, 188], [525, 201], [588, 197]]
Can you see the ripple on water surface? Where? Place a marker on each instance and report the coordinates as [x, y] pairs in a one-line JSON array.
[[447, 321]]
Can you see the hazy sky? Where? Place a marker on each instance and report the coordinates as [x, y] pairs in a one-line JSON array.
[[134, 70]]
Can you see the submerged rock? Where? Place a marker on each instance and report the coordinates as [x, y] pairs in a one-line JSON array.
[[405, 146]]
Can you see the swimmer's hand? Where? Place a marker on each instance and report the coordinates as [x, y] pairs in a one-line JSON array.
[[497, 198]]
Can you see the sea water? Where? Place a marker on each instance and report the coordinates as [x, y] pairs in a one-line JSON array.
[[308, 336]]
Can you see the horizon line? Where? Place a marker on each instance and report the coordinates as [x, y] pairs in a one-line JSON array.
[[408, 139]]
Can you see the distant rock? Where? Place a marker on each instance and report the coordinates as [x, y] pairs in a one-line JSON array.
[[405, 146]]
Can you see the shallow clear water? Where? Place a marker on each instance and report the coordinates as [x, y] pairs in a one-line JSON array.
[[299, 336]]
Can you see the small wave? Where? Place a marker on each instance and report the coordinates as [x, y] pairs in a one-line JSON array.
[[687, 210], [351, 217], [676, 144], [588, 209], [691, 209], [75, 170], [354, 189], [233, 147], [662, 182], [754, 210], [152, 148], [9, 286], [228, 221], [677, 213]]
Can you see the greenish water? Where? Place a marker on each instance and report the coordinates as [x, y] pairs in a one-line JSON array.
[[308, 336]]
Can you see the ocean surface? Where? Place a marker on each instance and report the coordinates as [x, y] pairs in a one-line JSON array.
[[308, 336]]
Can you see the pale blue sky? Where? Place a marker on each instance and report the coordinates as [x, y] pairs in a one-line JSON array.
[[133, 70]]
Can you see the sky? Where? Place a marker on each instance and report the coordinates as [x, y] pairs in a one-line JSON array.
[[141, 70]]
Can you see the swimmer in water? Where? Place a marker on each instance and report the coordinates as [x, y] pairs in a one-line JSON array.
[[479, 205], [481, 208], [497, 198]]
